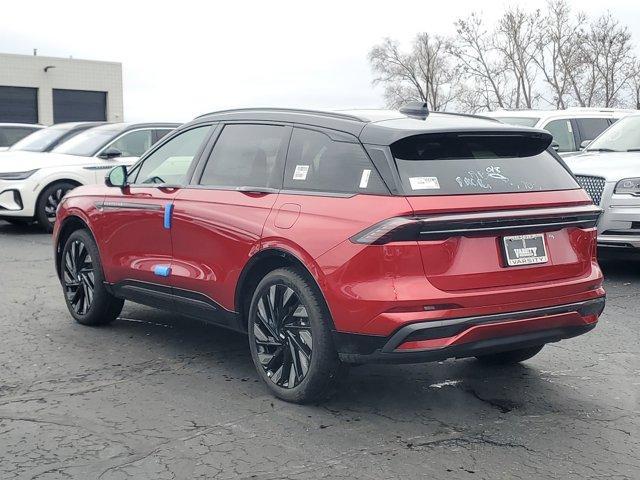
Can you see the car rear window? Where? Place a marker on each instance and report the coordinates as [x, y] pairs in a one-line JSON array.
[[456, 164]]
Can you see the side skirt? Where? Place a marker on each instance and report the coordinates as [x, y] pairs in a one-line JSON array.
[[184, 302]]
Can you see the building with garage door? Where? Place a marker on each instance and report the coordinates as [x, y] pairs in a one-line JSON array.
[[48, 90]]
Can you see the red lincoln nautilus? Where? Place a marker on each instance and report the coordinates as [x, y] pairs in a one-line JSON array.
[[342, 237]]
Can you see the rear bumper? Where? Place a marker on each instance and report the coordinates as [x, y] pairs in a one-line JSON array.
[[471, 336]]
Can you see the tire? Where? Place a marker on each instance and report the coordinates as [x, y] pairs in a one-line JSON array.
[[300, 336], [82, 280], [48, 202], [511, 357]]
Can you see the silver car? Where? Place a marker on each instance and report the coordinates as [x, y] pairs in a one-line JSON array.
[[609, 170]]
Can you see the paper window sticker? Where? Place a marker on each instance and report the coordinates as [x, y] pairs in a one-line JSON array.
[[300, 172], [364, 179], [424, 183]]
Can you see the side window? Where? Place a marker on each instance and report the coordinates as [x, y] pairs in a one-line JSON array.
[[158, 134], [590, 128], [170, 162], [247, 155], [133, 144], [11, 135], [315, 162], [563, 134]]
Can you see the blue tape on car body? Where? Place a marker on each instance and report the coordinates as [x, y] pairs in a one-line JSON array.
[[162, 270], [168, 210]]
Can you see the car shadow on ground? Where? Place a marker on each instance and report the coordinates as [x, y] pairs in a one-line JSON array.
[[435, 390], [20, 228], [619, 264]]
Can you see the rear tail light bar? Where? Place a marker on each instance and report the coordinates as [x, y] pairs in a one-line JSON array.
[[439, 227]]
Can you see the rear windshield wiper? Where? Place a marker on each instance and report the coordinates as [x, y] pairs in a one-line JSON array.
[[601, 150], [634, 150]]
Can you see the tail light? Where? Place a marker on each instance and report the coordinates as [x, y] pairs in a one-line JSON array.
[[442, 226], [395, 229]]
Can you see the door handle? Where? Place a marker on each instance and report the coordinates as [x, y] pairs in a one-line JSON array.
[[248, 189]]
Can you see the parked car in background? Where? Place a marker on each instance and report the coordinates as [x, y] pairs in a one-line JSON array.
[[10, 133], [609, 170], [335, 238], [32, 184], [572, 129], [46, 139]]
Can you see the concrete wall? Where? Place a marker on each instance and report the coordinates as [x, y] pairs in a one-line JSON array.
[[28, 71]]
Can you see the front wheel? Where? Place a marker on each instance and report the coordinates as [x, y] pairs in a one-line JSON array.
[[290, 337], [82, 280], [48, 202], [510, 357]]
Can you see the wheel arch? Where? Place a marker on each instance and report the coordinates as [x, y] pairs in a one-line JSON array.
[[70, 224], [258, 266]]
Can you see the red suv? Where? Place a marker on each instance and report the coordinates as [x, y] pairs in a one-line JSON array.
[[334, 238]]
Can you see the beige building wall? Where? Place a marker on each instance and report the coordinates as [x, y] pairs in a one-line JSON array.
[[69, 73]]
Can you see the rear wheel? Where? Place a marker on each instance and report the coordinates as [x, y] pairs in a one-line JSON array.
[[510, 357], [48, 202], [87, 299], [290, 338]]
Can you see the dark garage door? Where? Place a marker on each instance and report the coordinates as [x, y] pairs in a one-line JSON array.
[[18, 104], [79, 106]]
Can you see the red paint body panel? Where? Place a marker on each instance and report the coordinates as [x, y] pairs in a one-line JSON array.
[[370, 289], [133, 240], [215, 233]]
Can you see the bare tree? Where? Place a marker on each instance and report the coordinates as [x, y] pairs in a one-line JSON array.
[[559, 55], [516, 39], [485, 73], [610, 51], [425, 74], [634, 84]]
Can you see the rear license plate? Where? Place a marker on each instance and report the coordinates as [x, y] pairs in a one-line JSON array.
[[525, 249]]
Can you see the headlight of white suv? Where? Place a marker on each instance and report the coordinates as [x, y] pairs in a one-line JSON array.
[[630, 186], [17, 175]]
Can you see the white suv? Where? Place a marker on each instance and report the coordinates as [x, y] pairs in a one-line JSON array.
[[572, 129], [32, 184], [609, 170]]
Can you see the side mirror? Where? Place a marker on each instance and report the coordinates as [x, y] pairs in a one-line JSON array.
[[117, 177], [555, 145], [585, 143], [110, 153]]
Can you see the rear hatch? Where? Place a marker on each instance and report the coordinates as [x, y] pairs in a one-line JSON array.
[[494, 210]]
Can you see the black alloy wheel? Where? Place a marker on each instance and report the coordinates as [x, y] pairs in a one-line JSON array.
[[78, 277], [282, 336], [48, 202], [52, 201]]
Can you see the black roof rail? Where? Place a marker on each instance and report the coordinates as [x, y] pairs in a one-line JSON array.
[[344, 116]]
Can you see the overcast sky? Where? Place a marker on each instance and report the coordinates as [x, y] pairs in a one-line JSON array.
[[191, 57]]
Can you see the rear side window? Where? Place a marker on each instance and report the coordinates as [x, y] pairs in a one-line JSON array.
[[590, 128], [247, 156], [472, 164], [562, 134], [316, 162]]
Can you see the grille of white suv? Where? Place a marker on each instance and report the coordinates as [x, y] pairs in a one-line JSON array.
[[593, 185]]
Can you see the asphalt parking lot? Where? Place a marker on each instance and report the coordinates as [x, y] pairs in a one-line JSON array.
[[155, 396]]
